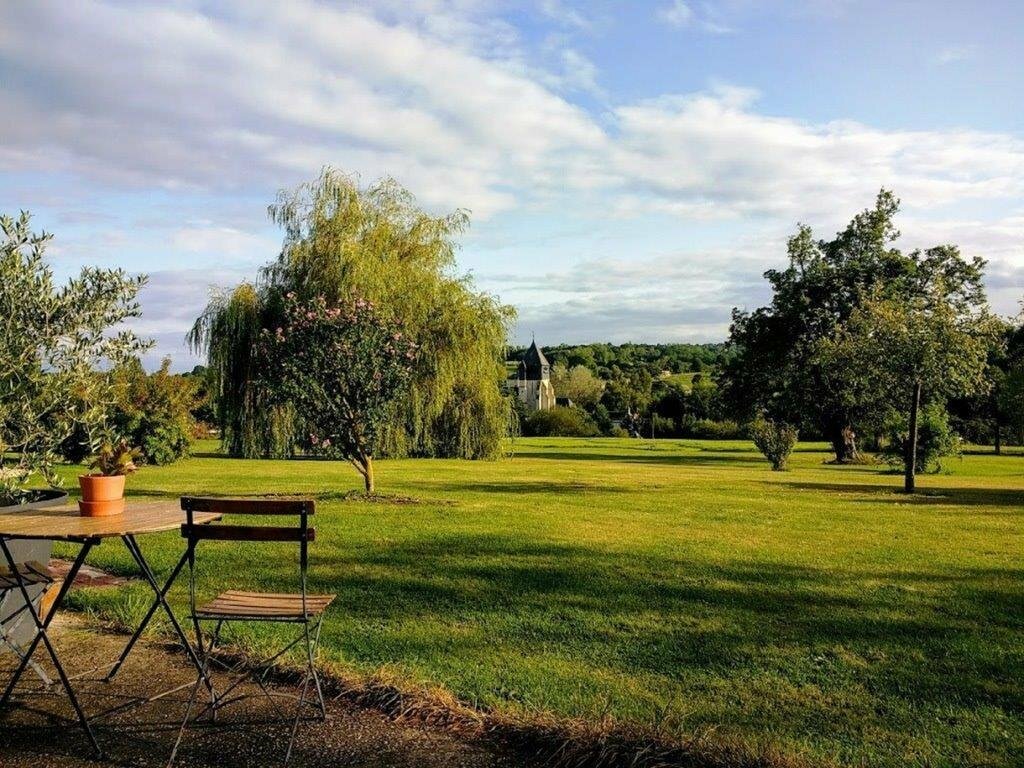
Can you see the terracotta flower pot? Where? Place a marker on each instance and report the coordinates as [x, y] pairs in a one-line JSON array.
[[102, 495]]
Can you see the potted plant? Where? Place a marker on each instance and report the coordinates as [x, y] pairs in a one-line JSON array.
[[103, 490]]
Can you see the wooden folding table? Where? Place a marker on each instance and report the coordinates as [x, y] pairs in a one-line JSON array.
[[65, 524]]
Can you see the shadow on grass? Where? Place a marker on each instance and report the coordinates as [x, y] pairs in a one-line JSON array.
[[916, 639], [645, 457], [521, 487], [873, 494], [918, 635]]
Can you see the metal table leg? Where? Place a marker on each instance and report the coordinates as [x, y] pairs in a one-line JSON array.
[[41, 635], [160, 602]]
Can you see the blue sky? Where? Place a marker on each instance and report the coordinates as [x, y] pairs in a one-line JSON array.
[[631, 168]]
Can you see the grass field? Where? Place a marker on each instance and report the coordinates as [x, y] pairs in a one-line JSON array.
[[685, 380], [817, 613]]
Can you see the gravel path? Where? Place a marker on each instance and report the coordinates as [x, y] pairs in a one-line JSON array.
[[37, 734]]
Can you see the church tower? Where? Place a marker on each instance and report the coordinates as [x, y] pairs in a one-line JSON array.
[[533, 380]]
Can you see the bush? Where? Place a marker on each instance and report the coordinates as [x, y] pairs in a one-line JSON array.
[[708, 429], [560, 422], [152, 412], [663, 426], [775, 440], [935, 439]]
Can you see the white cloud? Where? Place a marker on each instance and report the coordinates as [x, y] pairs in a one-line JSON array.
[[954, 53], [713, 153], [224, 242], [444, 95], [181, 99], [564, 14], [264, 98], [680, 14], [677, 13]]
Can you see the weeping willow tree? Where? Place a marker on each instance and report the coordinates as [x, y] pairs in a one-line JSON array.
[[342, 240]]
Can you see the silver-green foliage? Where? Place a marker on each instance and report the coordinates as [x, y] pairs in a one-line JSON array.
[[52, 340]]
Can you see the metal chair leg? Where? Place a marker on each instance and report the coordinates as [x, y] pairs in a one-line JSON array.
[[311, 648], [201, 676], [161, 601]]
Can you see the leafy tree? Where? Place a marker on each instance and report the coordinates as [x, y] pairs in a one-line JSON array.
[[342, 369], [51, 341], [776, 368], [342, 241], [578, 383], [895, 354], [152, 412]]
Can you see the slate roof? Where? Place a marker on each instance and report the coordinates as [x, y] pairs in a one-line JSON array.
[[534, 364]]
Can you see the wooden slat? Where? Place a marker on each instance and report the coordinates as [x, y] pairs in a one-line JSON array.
[[65, 523], [31, 573], [248, 506], [236, 604], [247, 532]]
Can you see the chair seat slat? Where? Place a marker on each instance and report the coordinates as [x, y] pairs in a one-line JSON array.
[[276, 605], [31, 573]]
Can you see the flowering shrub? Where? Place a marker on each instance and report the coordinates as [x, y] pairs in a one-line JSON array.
[[342, 369]]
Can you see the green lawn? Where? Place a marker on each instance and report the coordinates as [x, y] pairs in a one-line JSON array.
[[685, 380], [816, 612]]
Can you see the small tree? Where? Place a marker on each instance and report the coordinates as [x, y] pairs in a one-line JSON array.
[[342, 369], [51, 342], [903, 353], [775, 440], [577, 383]]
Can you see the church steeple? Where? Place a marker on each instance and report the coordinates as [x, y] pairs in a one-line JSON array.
[[534, 365]]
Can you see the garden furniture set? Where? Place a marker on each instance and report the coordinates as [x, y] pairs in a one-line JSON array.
[[199, 519]]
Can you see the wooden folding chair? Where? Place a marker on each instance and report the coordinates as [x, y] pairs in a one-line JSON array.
[[12, 582], [238, 606]]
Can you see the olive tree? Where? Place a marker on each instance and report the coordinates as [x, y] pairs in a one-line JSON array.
[[52, 341]]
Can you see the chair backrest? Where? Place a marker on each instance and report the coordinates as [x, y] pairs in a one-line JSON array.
[[301, 533]]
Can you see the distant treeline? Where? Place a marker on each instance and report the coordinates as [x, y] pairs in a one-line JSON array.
[[603, 359]]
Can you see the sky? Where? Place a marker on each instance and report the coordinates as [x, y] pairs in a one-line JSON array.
[[631, 168]]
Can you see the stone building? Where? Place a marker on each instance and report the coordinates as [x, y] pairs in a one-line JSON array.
[[532, 381]]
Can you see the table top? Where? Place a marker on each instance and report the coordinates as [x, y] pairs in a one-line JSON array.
[[64, 523]]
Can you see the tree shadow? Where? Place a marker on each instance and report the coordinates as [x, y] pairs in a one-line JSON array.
[[649, 457], [657, 614], [894, 494], [922, 636], [543, 487]]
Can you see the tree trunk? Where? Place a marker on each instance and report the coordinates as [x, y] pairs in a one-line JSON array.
[[844, 444], [911, 458], [995, 417], [368, 474]]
